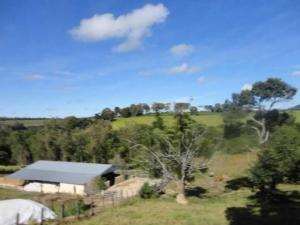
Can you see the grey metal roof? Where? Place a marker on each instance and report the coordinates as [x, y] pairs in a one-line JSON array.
[[62, 172]]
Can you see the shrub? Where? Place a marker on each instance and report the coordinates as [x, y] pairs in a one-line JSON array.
[[279, 162], [147, 191], [101, 183], [240, 144], [233, 130]]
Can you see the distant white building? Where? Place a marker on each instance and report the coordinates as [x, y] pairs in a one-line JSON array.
[[63, 177]]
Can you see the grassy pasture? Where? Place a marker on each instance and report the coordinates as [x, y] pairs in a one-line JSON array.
[[296, 113], [26, 123], [10, 193], [232, 208], [209, 119]]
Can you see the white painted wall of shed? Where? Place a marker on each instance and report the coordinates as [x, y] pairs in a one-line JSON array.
[[72, 189], [55, 188], [33, 187], [50, 188]]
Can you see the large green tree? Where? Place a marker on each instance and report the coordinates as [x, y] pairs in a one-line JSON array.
[[262, 98]]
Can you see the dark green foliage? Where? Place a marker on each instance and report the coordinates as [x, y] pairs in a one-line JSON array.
[[158, 122], [147, 191], [136, 109], [73, 122], [241, 144], [280, 161], [18, 126], [233, 130], [101, 183], [117, 110], [193, 110], [107, 114], [181, 107], [183, 121], [273, 90], [5, 151], [125, 112], [244, 98], [71, 207], [158, 106], [275, 118]]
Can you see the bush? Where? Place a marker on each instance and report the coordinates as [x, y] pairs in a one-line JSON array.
[[9, 169], [279, 162], [233, 130], [147, 191], [240, 144], [101, 184]]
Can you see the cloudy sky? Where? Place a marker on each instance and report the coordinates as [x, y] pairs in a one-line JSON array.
[[71, 57]]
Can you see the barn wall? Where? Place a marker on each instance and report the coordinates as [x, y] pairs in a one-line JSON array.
[[71, 189], [55, 188]]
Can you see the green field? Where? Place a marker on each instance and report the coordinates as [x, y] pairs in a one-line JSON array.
[[296, 113], [222, 199], [209, 119], [206, 118], [26, 123], [211, 202], [233, 208]]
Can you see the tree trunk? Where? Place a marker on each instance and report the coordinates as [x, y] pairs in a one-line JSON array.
[[181, 198]]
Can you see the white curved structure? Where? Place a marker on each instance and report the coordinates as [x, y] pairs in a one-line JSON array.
[[25, 211]]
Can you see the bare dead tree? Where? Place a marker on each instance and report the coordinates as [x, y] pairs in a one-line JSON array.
[[176, 159], [261, 129]]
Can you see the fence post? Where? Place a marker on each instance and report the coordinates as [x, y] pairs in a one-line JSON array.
[[52, 204], [103, 204], [78, 209], [17, 218], [62, 210], [93, 205], [42, 215]]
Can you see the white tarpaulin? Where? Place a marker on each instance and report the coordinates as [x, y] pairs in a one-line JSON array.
[[27, 210]]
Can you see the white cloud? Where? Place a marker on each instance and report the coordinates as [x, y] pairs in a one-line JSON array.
[[246, 87], [183, 68], [182, 49], [201, 80], [32, 77], [133, 27], [296, 73]]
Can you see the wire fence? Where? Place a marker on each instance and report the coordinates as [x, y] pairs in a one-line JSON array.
[[95, 204]]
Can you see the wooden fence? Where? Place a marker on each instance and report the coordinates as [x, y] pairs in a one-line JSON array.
[[96, 203]]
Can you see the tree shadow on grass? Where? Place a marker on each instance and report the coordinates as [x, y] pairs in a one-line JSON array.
[[195, 192], [238, 183], [283, 208]]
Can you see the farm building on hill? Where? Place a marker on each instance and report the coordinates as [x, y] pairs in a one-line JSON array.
[[64, 177]]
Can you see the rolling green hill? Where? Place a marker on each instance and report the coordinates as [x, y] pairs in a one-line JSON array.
[[26, 123], [213, 205], [210, 119], [207, 118]]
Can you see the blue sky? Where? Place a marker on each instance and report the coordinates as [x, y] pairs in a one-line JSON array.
[[60, 58]]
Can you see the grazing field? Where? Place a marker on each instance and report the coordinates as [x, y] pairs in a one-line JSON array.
[[206, 118], [10, 193], [223, 199], [209, 119], [233, 208], [26, 123], [296, 113]]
